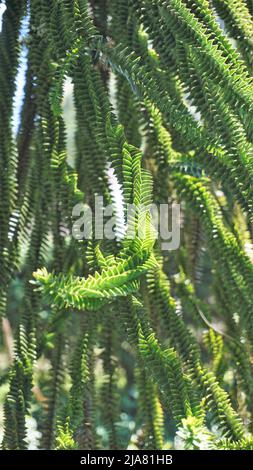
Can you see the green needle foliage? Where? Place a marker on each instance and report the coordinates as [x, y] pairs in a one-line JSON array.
[[118, 343]]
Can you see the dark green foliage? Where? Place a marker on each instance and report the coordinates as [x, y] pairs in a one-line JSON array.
[[142, 347]]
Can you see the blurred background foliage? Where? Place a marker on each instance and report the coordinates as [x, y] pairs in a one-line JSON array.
[[191, 269]]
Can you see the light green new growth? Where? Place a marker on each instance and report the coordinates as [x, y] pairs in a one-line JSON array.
[[162, 94]]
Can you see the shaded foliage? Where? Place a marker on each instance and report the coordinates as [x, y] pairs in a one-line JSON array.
[[163, 95]]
